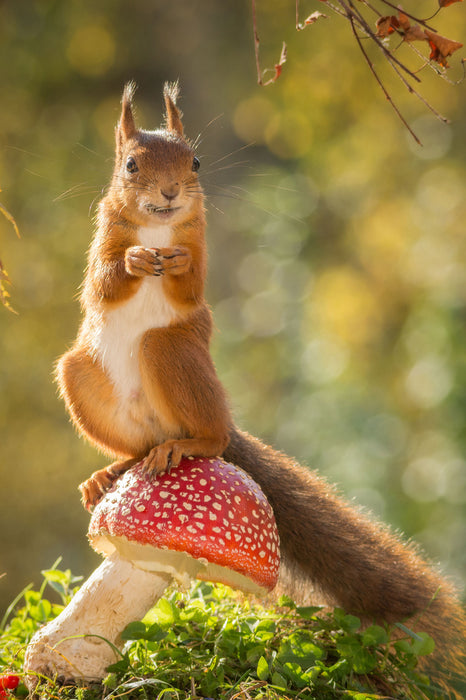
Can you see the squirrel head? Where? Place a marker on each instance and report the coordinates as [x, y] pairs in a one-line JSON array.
[[155, 175]]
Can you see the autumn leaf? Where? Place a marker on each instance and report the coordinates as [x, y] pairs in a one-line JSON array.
[[278, 66], [411, 32], [311, 20], [446, 3], [4, 294], [4, 279], [415, 33], [402, 25], [403, 21], [386, 26], [8, 216], [441, 47]]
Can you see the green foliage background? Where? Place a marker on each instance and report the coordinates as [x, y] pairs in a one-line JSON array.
[[337, 253]]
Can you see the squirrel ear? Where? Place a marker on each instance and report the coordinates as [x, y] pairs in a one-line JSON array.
[[126, 126], [173, 114]]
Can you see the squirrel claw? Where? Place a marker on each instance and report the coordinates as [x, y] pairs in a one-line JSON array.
[[158, 461], [95, 488]]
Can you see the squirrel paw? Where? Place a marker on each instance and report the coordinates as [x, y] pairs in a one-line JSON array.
[[175, 260], [163, 457], [94, 488], [140, 261]]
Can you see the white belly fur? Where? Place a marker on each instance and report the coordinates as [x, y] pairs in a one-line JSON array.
[[122, 328]]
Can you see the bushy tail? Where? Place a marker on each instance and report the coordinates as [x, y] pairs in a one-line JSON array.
[[329, 546]]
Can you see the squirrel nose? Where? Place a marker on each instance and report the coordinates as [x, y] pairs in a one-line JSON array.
[[171, 192]]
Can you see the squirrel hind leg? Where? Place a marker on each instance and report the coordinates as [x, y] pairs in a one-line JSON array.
[[170, 453]]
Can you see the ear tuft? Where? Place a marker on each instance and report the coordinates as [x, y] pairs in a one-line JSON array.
[[126, 126], [173, 114], [128, 92]]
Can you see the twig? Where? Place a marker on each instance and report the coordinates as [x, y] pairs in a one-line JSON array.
[[416, 19], [393, 62], [256, 42], [418, 94], [382, 86], [351, 12]]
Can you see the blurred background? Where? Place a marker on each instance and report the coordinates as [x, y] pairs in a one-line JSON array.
[[337, 252]]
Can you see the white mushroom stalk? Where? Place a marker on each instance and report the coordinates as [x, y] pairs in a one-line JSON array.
[[206, 519], [80, 643]]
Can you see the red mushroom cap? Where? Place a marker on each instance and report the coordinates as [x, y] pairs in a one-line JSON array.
[[206, 508]]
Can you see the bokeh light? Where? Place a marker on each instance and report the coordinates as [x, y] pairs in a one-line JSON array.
[[337, 254]]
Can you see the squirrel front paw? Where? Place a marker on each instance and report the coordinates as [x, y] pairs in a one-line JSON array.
[[140, 261], [175, 260]]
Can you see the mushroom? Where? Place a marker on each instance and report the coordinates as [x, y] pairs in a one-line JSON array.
[[206, 519]]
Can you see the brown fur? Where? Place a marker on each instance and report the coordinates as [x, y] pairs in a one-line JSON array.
[[328, 546]]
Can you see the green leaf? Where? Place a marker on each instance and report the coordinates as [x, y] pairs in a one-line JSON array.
[[350, 623], [364, 661], [262, 669], [120, 666], [165, 612], [278, 681], [374, 636], [308, 612], [299, 648], [286, 602], [155, 633], [267, 625], [425, 645], [135, 630], [210, 684], [348, 646], [420, 644], [42, 611], [294, 673]]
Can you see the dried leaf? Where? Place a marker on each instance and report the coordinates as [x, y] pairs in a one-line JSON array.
[[278, 66], [441, 47], [446, 3], [7, 215], [311, 20], [415, 33], [4, 279], [401, 24], [3, 292], [386, 26], [403, 21]]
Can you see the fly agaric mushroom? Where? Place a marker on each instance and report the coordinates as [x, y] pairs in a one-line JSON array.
[[206, 519]]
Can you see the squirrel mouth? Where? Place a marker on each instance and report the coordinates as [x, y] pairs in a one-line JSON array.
[[162, 211]]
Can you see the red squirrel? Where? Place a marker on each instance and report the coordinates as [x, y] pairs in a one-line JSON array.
[[139, 381], [140, 384]]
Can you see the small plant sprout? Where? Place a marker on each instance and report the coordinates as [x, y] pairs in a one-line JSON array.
[[206, 519]]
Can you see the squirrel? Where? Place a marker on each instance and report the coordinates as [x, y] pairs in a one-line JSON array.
[[139, 382]]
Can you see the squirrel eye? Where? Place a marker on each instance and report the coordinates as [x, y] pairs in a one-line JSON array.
[[196, 164], [131, 166]]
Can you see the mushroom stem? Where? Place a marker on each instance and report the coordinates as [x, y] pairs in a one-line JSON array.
[[71, 646]]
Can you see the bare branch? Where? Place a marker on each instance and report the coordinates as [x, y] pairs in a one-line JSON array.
[[352, 11], [382, 86], [256, 42]]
